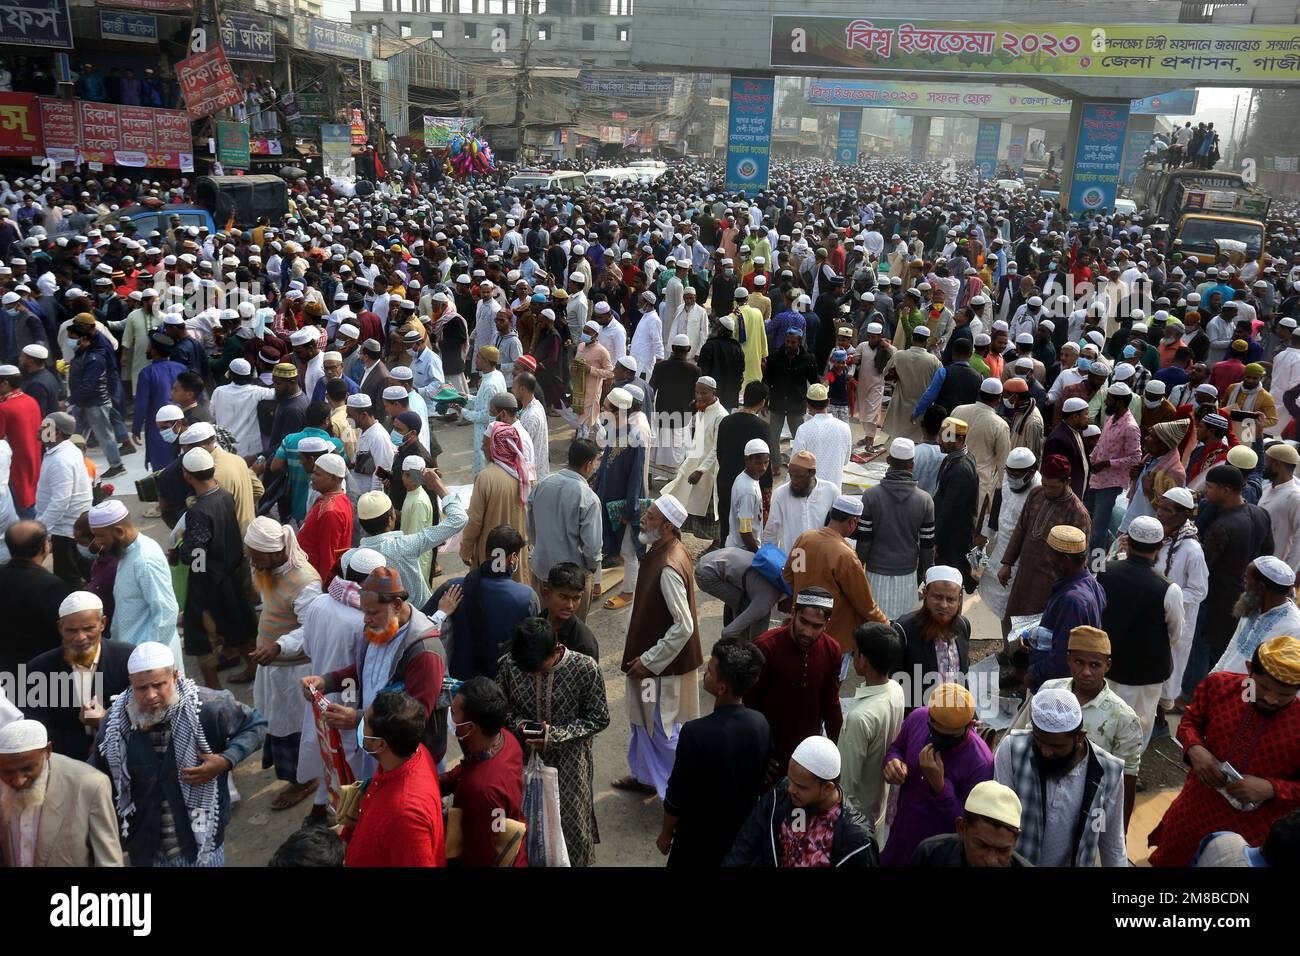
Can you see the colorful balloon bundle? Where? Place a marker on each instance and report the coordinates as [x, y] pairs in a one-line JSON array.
[[468, 155]]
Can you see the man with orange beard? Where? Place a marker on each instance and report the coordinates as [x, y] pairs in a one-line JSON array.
[[401, 646]]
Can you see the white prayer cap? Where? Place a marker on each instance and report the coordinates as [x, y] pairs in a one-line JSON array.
[[847, 504], [875, 328], [1092, 431], [708, 381], [23, 736], [921, 332], [1024, 364], [1207, 389], [266, 535], [1125, 371], [106, 513], [1021, 457], [373, 504], [401, 373], [1181, 497], [1073, 405], [198, 433], [79, 601], [902, 449], [395, 393], [1145, 529], [681, 342], [671, 509], [601, 308], [1056, 711], [314, 445], [150, 656], [1099, 367], [1274, 569], [332, 356], [240, 366], [981, 339], [38, 352], [991, 386], [173, 318], [819, 756], [363, 560], [350, 331], [629, 363], [620, 398], [169, 413], [942, 572], [409, 463], [757, 446], [1119, 390], [726, 321], [197, 460], [333, 464], [1025, 338], [359, 400], [1034, 301], [1155, 387], [302, 337]]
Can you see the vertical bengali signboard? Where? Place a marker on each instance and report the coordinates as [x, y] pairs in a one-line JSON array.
[[749, 134], [987, 140], [1098, 154], [1016, 152], [101, 133], [336, 150], [208, 83], [1136, 145], [846, 138], [20, 125], [233, 149], [59, 129], [43, 23], [248, 36], [136, 134]]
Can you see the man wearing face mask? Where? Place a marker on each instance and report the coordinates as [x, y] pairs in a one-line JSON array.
[[1024, 417], [936, 760], [1071, 791], [1118, 449]]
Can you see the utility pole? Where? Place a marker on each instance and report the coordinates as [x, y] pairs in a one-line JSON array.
[[521, 86]]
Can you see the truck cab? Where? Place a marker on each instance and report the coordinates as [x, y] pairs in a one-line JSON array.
[[1214, 221]]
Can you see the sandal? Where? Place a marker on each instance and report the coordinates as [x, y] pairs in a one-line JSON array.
[[618, 602], [632, 783], [293, 795]]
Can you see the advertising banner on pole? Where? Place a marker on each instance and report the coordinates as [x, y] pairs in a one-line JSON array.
[[208, 83], [1098, 154], [846, 138], [233, 150], [1136, 144], [336, 150], [749, 134], [1178, 51], [987, 140]]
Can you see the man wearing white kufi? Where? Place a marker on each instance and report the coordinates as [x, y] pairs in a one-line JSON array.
[[1265, 609], [54, 810], [168, 746], [145, 606], [1182, 560], [331, 626], [871, 357], [1019, 478], [697, 476], [673, 383], [662, 651], [287, 584], [896, 532]]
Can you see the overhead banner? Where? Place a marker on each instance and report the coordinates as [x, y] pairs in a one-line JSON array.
[[336, 150], [749, 134], [1007, 99], [157, 6], [208, 83], [334, 39], [1196, 52], [439, 131], [233, 149], [248, 36], [639, 85], [987, 140], [36, 23], [846, 138], [20, 125], [128, 27], [1098, 155]]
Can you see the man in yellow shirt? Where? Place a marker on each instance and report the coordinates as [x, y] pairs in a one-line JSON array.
[[752, 335]]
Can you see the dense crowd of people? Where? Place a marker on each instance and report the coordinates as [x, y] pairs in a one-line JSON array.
[[673, 391]]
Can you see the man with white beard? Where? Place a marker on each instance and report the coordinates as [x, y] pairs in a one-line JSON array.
[[287, 584], [167, 735], [1018, 479], [54, 811], [331, 627]]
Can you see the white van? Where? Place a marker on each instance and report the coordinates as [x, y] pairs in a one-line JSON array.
[[613, 174], [548, 181]]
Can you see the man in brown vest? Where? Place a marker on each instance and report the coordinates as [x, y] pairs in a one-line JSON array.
[[662, 652]]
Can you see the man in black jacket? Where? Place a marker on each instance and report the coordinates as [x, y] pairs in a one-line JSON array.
[[788, 374], [721, 766], [956, 500], [723, 358], [80, 677], [32, 611], [805, 820]]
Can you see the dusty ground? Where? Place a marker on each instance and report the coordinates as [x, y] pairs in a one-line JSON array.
[[628, 822]]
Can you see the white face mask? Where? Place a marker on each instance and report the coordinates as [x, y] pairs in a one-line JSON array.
[[168, 435], [1152, 404]]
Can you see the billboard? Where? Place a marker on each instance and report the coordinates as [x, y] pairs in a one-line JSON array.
[[248, 36], [1098, 155], [1196, 52], [233, 150], [36, 23], [128, 27], [336, 150], [439, 131], [334, 39], [636, 85], [749, 134], [847, 136], [987, 140], [971, 98]]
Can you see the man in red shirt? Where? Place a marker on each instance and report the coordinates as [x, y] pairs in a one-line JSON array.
[[400, 820], [799, 687], [488, 784], [327, 530], [20, 425]]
